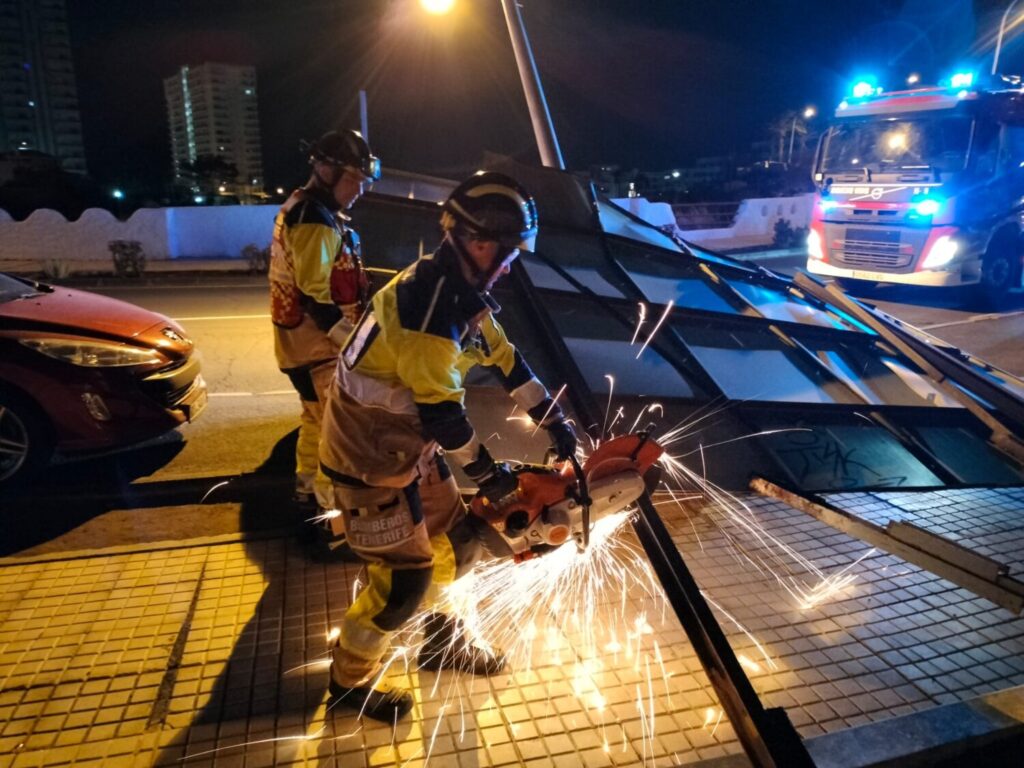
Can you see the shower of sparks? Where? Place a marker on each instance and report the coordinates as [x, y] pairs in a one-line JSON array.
[[805, 582], [649, 409], [591, 612], [214, 488], [640, 321], [607, 408], [668, 308], [554, 402], [327, 514]]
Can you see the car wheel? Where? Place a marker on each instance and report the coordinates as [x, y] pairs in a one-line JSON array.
[[25, 442], [997, 274]]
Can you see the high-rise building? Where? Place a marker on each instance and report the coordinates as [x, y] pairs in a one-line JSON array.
[[211, 110], [38, 97]]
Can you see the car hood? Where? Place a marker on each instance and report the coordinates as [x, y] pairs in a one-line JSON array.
[[67, 310]]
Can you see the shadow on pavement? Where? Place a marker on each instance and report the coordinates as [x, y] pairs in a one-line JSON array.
[[72, 494], [270, 684]]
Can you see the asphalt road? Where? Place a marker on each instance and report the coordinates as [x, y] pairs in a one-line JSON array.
[[230, 471]]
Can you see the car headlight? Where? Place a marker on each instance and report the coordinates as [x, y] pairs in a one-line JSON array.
[[941, 253], [814, 249], [94, 354]]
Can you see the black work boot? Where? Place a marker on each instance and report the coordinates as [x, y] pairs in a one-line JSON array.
[[382, 701], [446, 646]]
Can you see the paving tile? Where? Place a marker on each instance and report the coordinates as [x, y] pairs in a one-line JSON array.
[[87, 644]]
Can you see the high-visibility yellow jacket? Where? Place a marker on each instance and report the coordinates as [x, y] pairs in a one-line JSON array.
[[411, 352], [315, 275]]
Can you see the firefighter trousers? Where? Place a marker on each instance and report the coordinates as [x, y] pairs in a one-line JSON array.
[[416, 540], [311, 383]]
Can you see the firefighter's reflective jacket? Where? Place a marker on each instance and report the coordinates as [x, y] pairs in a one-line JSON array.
[[404, 366], [316, 277]]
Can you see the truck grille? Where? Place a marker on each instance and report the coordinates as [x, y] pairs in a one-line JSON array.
[[872, 248]]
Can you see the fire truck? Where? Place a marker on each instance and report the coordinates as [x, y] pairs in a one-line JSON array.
[[923, 187]]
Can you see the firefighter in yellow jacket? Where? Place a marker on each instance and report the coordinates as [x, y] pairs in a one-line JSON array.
[[397, 398], [318, 289]]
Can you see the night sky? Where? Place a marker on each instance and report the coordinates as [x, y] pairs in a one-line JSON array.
[[637, 83]]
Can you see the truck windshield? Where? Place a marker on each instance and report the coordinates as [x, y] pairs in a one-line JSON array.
[[916, 143]]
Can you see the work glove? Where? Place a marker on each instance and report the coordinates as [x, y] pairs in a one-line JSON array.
[[494, 478], [563, 438]]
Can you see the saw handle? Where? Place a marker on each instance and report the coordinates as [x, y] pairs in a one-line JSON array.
[[581, 483]]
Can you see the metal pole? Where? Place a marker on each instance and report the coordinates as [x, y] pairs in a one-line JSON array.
[[792, 135], [999, 38], [364, 121], [547, 142]]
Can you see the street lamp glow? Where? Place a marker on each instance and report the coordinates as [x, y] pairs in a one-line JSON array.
[[809, 112], [117, 194], [437, 7], [913, 78]]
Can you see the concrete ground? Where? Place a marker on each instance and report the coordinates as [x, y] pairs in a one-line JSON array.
[[213, 652]]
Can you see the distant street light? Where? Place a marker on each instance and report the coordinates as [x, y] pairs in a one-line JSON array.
[[808, 113], [437, 7], [280, 190], [913, 78], [117, 194]]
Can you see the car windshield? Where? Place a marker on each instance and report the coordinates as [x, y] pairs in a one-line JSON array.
[[919, 143], [12, 288]]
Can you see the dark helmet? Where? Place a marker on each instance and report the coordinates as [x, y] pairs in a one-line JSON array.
[[344, 148], [492, 206]]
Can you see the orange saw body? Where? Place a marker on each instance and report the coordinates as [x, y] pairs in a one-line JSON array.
[[551, 504]]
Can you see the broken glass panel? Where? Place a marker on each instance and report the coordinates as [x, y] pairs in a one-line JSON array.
[[823, 457], [752, 364], [969, 456]]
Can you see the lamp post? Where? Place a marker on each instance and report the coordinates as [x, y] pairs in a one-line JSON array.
[[543, 129], [999, 37], [808, 113]]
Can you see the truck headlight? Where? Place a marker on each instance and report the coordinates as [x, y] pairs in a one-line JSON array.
[[941, 253], [94, 354], [814, 249]]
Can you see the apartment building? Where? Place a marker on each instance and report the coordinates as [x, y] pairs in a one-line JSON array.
[[38, 97], [211, 110]]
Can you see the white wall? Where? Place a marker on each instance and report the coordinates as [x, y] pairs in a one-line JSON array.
[[165, 233], [755, 221]]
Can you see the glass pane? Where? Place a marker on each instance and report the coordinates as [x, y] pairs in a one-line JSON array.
[[662, 280], [582, 256], [780, 305], [394, 232], [969, 457], [615, 221], [602, 346], [755, 365], [830, 457], [690, 292], [881, 380], [650, 375]]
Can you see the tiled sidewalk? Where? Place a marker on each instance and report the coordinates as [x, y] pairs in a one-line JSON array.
[[215, 655]]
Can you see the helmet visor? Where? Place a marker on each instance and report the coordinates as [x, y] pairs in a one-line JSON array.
[[370, 168]]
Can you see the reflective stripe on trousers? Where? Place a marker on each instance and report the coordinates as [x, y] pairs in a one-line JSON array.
[[407, 567]]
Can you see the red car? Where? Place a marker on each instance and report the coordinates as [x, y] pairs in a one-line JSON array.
[[81, 372]]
